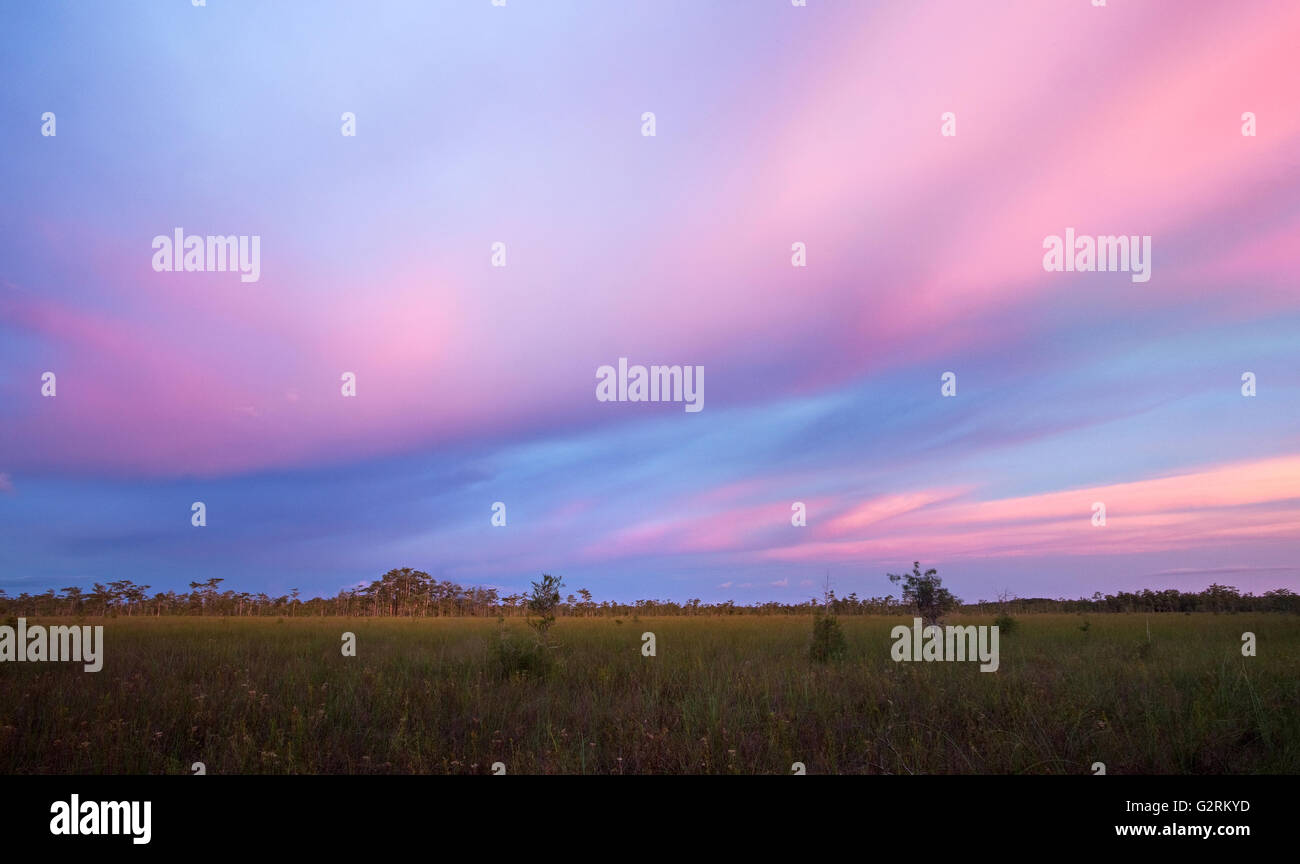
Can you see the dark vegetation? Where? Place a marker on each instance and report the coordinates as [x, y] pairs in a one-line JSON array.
[[413, 593]]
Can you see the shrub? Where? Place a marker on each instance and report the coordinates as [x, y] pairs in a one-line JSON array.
[[519, 658], [828, 641], [1005, 624]]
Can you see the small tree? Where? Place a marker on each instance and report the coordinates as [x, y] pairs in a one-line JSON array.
[[543, 602], [828, 641], [925, 593], [1004, 622]]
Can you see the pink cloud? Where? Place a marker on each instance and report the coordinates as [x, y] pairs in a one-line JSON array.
[[1258, 500], [876, 510], [697, 529], [914, 240]]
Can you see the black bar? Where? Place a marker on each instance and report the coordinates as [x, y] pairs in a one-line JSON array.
[[333, 814]]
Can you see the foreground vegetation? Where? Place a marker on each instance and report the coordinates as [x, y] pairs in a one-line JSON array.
[[724, 694]]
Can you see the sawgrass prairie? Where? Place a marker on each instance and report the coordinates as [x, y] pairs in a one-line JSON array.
[[722, 695]]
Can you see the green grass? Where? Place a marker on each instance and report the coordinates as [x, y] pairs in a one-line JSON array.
[[724, 695]]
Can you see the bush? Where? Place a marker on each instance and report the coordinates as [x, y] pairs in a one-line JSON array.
[[828, 641], [520, 658], [1005, 624]]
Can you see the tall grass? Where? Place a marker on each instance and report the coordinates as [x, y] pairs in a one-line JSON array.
[[723, 695]]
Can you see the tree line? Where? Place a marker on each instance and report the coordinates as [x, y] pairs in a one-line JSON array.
[[410, 593]]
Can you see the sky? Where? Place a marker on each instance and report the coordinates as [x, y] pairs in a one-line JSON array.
[[475, 384]]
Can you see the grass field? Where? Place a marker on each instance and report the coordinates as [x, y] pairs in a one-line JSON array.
[[723, 695]]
